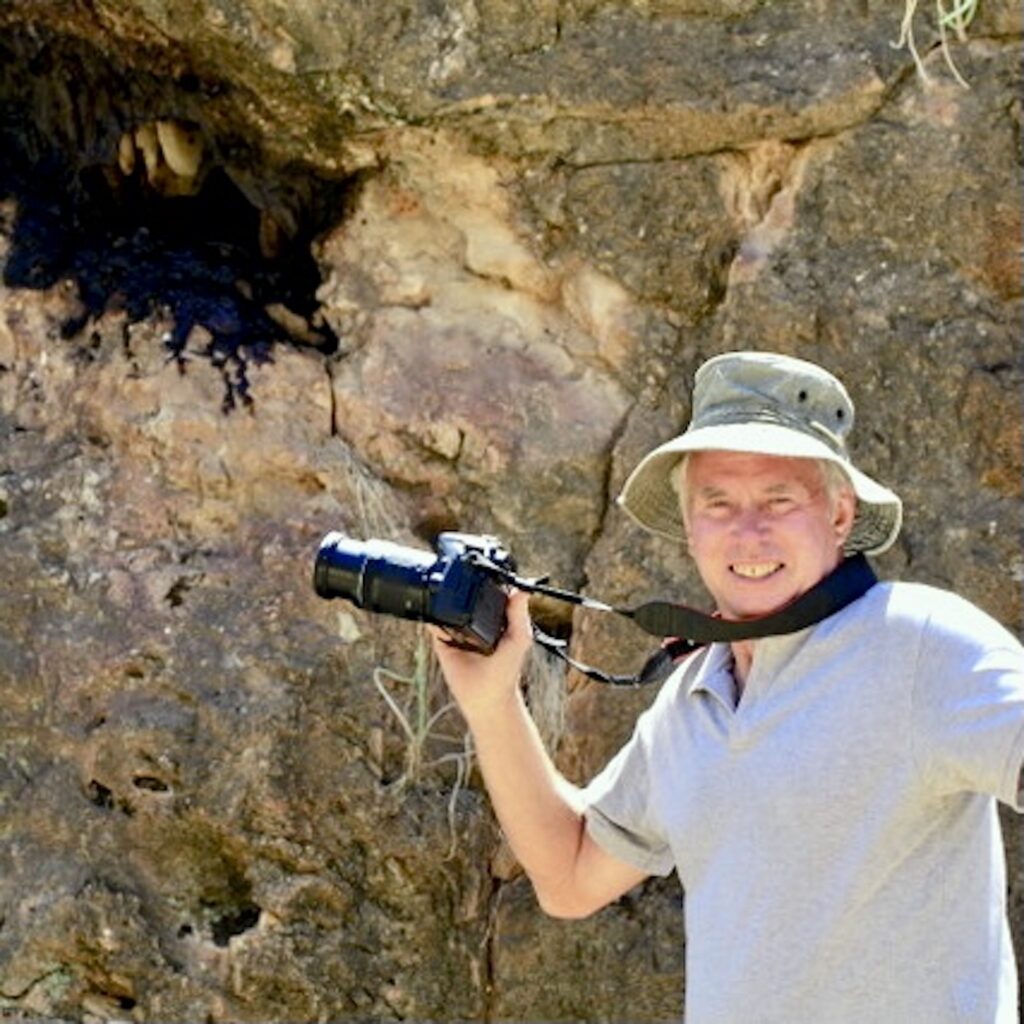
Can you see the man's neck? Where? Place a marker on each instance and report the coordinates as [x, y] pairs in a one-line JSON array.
[[742, 659], [743, 650]]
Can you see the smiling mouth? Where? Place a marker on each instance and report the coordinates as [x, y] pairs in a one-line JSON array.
[[756, 570]]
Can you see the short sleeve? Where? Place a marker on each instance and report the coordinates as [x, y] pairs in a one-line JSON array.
[[618, 806], [968, 704]]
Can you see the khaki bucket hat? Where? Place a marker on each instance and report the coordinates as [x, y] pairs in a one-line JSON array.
[[766, 404]]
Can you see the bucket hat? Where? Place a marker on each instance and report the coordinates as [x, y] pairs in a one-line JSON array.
[[767, 404]]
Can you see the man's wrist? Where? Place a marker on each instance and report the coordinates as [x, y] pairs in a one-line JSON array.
[[493, 710]]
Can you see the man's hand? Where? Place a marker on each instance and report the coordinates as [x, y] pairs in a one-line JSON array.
[[484, 684]]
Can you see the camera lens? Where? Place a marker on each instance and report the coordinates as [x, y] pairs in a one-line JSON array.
[[376, 575]]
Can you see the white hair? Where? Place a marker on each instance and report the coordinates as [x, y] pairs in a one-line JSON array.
[[833, 479]]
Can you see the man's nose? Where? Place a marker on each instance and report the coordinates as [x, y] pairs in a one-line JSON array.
[[750, 521]]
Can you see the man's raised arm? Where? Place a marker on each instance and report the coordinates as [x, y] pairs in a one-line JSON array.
[[539, 811]]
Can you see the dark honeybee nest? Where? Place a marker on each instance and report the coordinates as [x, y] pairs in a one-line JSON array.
[[156, 215]]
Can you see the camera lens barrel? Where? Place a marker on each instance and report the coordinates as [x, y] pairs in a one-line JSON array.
[[376, 575]]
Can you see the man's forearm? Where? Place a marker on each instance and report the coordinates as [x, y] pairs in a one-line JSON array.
[[539, 811], [537, 808]]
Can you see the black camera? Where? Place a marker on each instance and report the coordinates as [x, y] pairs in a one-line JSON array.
[[456, 587]]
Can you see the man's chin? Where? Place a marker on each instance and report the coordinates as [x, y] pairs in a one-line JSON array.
[[756, 606]]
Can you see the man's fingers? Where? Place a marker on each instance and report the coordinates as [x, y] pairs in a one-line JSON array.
[[518, 613], [518, 629]]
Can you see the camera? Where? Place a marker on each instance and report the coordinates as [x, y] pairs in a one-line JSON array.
[[456, 586]]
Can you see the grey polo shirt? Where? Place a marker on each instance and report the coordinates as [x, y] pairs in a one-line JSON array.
[[836, 834]]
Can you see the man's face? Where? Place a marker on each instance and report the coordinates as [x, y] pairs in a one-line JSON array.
[[762, 529]]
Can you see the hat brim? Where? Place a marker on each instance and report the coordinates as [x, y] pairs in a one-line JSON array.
[[650, 498]]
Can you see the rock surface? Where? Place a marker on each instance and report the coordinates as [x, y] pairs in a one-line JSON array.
[[271, 270]]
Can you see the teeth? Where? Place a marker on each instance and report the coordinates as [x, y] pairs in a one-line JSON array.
[[756, 572]]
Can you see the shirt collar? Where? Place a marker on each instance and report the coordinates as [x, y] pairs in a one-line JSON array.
[[714, 674]]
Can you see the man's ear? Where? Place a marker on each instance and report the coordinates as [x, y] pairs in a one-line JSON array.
[[844, 515], [685, 520]]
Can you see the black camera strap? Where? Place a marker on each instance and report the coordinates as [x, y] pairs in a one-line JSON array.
[[688, 629]]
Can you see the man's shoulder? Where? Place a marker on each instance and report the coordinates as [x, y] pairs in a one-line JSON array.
[[919, 601], [938, 612]]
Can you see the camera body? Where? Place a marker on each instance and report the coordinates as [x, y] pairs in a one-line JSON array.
[[452, 587]]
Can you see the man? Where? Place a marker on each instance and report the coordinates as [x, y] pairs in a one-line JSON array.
[[828, 797]]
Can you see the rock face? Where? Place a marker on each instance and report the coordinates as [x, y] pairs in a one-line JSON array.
[[271, 270]]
